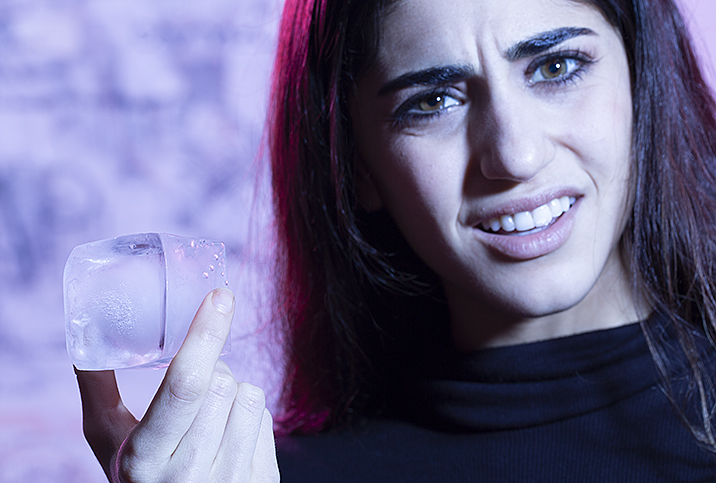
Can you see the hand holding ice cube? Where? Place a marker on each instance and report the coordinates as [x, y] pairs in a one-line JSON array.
[[201, 426]]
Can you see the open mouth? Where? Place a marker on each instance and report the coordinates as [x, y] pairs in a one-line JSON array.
[[527, 222]]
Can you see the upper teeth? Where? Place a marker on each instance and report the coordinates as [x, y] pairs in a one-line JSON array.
[[527, 220]]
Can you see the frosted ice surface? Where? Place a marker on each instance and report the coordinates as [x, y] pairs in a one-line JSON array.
[[129, 300]]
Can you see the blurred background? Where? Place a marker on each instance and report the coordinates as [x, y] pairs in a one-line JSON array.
[[128, 116], [118, 117]]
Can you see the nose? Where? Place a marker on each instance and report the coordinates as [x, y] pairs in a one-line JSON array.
[[513, 142]]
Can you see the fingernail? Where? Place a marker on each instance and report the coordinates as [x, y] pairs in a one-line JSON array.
[[223, 300]]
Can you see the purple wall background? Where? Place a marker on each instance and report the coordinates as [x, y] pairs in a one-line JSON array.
[[117, 117]]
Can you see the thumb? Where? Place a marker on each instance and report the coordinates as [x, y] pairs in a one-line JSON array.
[[106, 421]]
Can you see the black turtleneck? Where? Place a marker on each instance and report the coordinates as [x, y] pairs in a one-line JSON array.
[[584, 408]]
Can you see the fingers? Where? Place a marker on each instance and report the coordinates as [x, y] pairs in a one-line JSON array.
[[187, 381], [234, 461], [265, 468], [197, 451], [200, 423], [106, 421]]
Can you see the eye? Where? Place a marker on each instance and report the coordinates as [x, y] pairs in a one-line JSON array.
[[427, 106], [555, 69], [435, 102]]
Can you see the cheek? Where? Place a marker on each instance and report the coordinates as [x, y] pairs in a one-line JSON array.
[[611, 128], [615, 149], [420, 181], [600, 132], [604, 138], [420, 184], [416, 167]]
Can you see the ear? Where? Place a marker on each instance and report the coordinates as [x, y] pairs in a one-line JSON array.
[[366, 191]]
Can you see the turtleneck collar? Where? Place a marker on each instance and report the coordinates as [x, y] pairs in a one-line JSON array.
[[530, 384]]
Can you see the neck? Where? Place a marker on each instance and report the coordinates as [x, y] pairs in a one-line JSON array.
[[611, 302]]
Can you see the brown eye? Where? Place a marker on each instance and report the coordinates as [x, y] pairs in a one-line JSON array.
[[435, 103], [432, 104], [554, 69]]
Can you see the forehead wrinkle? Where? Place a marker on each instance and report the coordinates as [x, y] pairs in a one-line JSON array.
[[410, 37], [410, 41]]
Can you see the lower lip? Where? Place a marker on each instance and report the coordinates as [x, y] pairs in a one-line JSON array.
[[526, 247]]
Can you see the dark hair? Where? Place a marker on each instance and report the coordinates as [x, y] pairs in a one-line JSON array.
[[670, 239], [341, 288], [324, 263]]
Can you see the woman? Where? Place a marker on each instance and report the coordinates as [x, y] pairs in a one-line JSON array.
[[476, 204]]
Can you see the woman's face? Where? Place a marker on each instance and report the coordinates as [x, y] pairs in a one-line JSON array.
[[497, 133]]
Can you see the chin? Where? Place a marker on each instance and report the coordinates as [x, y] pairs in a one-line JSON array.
[[545, 300]]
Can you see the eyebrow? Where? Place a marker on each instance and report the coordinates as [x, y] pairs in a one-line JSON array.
[[544, 41], [433, 76], [454, 73]]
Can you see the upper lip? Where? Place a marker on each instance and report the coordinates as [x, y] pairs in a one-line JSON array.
[[511, 207]]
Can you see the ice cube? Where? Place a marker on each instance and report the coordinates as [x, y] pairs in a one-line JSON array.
[[194, 268], [130, 300]]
